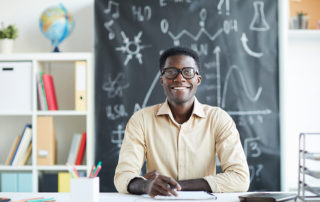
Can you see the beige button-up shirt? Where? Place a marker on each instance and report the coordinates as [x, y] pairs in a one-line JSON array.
[[183, 151]]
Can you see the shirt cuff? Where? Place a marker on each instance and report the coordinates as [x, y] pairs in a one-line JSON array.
[[213, 185]]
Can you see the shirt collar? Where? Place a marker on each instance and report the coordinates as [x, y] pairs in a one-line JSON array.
[[198, 109]]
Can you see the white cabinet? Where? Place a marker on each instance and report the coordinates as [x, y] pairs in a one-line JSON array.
[[67, 120]]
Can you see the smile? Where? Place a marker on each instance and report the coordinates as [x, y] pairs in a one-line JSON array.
[[180, 88]]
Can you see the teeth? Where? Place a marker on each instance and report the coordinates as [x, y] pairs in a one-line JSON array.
[[179, 88]]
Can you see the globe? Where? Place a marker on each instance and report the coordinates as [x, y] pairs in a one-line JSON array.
[[56, 23]]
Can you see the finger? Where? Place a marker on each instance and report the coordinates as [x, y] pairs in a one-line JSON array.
[[174, 184], [158, 190], [166, 184]]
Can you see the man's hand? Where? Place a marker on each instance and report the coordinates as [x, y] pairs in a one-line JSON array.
[[156, 184], [162, 185]]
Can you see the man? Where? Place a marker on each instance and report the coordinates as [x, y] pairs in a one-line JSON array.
[[180, 139]]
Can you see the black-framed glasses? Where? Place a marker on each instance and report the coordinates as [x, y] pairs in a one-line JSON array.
[[172, 72]]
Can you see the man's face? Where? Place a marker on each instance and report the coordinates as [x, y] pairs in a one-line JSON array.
[[180, 90]]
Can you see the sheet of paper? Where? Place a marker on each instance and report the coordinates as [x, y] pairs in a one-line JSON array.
[[187, 195]]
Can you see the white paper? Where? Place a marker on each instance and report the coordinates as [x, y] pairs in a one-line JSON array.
[[186, 195]]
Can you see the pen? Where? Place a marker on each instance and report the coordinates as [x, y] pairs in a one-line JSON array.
[[91, 172], [75, 172], [96, 168], [41, 200], [97, 171]]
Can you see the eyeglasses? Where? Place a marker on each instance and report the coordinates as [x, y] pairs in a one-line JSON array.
[[172, 72]]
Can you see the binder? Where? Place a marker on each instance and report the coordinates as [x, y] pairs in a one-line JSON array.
[[46, 141], [50, 92], [64, 182], [80, 86]]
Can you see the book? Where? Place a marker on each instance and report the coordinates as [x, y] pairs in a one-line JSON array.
[[24, 182], [268, 197], [74, 148], [22, 146], [12, 150], [81, 150], [49, 182], [50, 92], [41, 92], [80, 86], [9, 182], [27, 155], [46, 141], [64, 182]]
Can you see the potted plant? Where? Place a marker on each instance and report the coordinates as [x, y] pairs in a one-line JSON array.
[[7, 36], [302, 20]]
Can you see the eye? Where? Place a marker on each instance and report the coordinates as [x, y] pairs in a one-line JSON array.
[[188, 71], [171, 71]]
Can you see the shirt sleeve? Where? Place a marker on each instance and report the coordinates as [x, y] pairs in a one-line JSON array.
[[132, 154], [235, 176]]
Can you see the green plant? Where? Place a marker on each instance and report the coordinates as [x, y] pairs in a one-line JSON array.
[[301, 13], [9, 32]]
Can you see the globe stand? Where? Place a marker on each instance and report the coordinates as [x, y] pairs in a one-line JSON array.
[[56, 49]]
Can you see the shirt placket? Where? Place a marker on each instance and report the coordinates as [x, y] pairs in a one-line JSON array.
[[181, 152]]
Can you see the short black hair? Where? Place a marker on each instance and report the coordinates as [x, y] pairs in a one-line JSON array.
[[178, 50]]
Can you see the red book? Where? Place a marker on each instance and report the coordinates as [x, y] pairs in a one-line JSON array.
[[82, 147], [50, 92]]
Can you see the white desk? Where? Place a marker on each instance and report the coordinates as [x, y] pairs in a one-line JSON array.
[[114, 197]]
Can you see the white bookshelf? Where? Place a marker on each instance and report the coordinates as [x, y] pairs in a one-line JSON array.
[[67, 121]]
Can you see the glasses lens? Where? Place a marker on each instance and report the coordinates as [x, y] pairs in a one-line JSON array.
[[170, 73], [188, 72]]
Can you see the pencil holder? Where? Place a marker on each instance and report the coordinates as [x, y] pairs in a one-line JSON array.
[[84, 189]]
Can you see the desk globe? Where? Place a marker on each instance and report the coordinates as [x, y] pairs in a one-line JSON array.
[[56, 24]]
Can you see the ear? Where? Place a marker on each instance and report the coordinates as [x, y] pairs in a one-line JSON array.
[[161, 80], [199, 79]]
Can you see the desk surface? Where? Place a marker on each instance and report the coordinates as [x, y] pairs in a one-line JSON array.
[[114, 197]]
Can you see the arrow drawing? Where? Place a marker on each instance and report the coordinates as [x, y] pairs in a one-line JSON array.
[[244, 41]]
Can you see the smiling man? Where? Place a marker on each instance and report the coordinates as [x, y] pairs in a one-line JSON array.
[[180, 139]]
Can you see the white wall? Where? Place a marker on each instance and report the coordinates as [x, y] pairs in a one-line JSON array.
[[301, 99], [25, 15]]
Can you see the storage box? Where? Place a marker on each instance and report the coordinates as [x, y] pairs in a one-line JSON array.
[[15, 87]]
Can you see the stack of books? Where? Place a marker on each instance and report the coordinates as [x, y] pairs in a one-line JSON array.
[[21, 149], [46, 91]]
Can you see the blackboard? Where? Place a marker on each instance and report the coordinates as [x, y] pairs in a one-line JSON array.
[[237, 41]]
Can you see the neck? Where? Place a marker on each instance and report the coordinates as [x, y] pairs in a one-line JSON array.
[[181, 112]]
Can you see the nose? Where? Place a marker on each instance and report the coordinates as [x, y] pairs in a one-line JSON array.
[[179, 77]]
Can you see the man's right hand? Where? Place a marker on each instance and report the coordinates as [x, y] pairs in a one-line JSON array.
[[156, 184], [163, 186]]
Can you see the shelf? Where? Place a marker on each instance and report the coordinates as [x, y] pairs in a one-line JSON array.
[[62, 113], [304, 33], [315, 174], [45, 56], [60, 168], [310, 155], [64, 123], [15, 113], [16, 168]]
